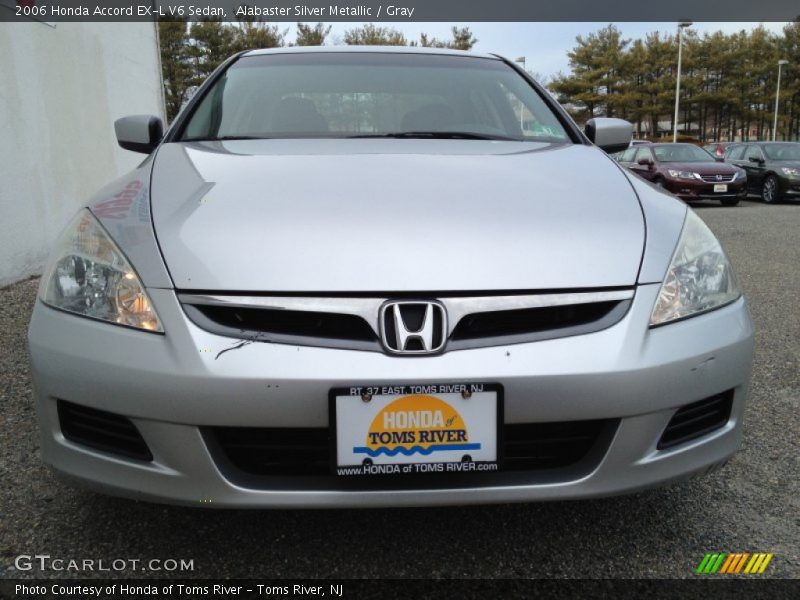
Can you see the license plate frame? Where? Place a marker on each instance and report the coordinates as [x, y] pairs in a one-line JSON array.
[[720, 188], [478, 391]]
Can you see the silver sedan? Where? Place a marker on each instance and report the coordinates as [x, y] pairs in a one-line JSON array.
[[372, 277]]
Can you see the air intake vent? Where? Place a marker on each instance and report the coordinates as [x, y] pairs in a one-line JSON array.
[[101, 430], [276, 451], [535, 446], [697, 419]]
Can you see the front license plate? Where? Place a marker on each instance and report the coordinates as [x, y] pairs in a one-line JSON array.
[[721, 187], [413, 429]]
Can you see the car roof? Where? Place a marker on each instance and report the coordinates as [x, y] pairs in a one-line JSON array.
[[372, 49], [671, 144]]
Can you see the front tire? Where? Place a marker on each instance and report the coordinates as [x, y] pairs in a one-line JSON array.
[[769, 189], [729, 201]]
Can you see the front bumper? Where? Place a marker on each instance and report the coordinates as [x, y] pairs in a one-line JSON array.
[[789, 187], [697, 190], [171, 385]]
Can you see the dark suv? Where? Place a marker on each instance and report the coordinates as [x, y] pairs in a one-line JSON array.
[[773, 168], [687, 171]]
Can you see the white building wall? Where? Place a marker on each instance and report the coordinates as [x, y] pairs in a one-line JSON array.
[[61, 88]]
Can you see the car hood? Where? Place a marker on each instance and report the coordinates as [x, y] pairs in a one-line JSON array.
[[368, 215], [704, 168]]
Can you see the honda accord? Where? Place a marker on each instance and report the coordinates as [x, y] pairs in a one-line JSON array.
[[687, 171], [371, 277]]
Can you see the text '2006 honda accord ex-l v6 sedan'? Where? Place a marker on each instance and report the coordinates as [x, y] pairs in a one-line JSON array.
[[371, 277]]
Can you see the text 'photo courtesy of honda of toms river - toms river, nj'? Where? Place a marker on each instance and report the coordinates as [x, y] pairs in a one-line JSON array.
[[382, 277]]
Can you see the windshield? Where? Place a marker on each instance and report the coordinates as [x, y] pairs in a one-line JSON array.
[[681, 153], [782, 151], [368, 94]]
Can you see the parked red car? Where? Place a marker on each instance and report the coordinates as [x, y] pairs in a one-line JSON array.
[[717, 149], [687, 171]]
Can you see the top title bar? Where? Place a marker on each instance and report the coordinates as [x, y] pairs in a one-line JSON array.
[[404, 10]]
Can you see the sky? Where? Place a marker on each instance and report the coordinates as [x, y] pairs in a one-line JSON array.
[[544, 45]]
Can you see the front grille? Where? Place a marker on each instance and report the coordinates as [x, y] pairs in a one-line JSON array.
[[697, 419], [290, 322], [718, 178], [353, 322], [307, 454], [101, 430], [530, 320]]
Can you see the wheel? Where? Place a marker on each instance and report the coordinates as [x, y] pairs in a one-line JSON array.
[[729, 201], [769, 189]]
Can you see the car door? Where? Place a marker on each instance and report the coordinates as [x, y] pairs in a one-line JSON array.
[[734, 154], [755, 165], [647, 171]]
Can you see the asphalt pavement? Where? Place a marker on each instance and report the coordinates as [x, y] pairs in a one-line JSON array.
[[752, 504]]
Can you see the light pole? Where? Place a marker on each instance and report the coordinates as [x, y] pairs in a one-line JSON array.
[[777, 96], [681, 26], [521, 60]]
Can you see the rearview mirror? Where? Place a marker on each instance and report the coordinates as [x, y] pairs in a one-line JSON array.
[[611, 135], [139, 133]]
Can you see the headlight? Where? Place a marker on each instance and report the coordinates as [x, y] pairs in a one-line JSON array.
[[791, 171], [683, 174], [739, 175], [88, 275], [699, 278]]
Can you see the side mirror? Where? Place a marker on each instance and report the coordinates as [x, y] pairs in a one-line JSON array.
[[611, 135], [645, 162], [755, 159], [139, 133]]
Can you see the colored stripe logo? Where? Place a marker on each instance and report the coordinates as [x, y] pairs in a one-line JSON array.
[[734, 563], [414, 449]]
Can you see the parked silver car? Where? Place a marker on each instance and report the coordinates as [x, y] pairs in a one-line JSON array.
[[372, 276]]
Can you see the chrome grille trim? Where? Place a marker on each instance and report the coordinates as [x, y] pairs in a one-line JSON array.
[[713, 178], [369, 308]]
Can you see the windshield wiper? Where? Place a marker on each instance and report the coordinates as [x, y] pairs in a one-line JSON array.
[[437, 135], [225, 138]]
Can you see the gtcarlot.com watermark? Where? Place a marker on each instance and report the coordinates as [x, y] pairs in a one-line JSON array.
[[45, 562]]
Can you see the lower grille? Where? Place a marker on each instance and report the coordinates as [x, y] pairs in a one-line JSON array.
[[697, 419], [252, 455], [101, 430], [535, 446], [273, 451]]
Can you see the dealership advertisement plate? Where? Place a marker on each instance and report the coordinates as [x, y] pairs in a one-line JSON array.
[[721, 187], [413, 429]]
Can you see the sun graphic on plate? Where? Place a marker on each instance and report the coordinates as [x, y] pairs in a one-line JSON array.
[[415, 424]]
